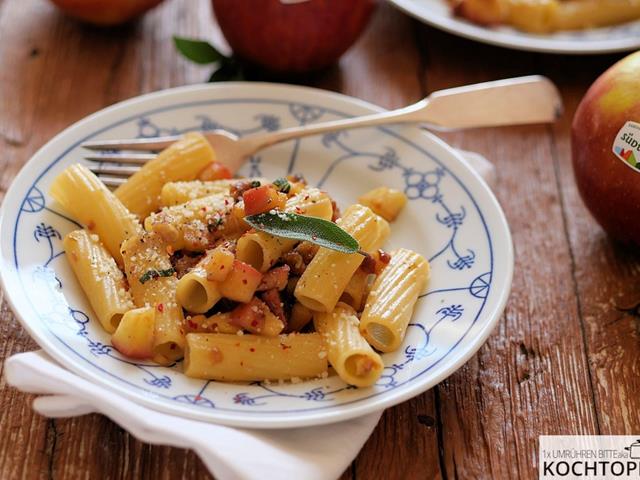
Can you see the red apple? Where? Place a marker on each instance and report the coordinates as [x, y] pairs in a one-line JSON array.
[[608, 181], [105, 12], [292, 36]]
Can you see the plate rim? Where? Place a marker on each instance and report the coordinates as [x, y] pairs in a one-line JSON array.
[[240, 419], [527, 42]]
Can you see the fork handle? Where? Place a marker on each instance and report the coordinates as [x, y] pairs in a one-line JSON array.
[[514, 101]]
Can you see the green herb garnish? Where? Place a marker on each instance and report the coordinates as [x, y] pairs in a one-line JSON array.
[[282, 184], [153, 273], [311, 229], [197, 51]]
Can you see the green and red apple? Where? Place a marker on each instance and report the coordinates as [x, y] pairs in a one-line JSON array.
[[605, 141]]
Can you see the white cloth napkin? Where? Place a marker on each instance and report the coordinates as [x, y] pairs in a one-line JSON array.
[[312, 453]]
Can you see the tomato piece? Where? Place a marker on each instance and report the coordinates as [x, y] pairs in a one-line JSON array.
[[241, 282], [215, 171], [249, 316], [262, 199]]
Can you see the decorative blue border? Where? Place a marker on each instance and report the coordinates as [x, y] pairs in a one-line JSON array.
[[306, 112]]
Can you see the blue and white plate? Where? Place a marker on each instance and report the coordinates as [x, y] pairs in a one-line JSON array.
[[616, 38], [452, 218]]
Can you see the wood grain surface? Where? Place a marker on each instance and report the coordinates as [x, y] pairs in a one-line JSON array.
[[564, 356]]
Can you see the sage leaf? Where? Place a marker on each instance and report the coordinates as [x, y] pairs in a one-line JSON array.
[[197, 51], [299, 227]]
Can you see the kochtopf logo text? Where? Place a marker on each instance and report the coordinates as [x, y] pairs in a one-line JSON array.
[[589, 456]]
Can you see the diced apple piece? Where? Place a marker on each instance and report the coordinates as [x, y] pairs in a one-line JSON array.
[[241, 283], [215, 171], [262, 199], [249, 316], [218, 264]]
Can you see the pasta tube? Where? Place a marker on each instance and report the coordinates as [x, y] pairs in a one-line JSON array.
[[183, 160], [355, 291], [311, 202], [134, 335], [349, 353], [99, 276], [86, 199], [261, 250], [195, 293], [390, 304], [218, 356], [217, 323], [326, 277], [175, 193], [385, 202], [152, 282]]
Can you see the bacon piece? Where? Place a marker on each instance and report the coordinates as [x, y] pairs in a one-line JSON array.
[[295, 262], [368, 265], [183, 262], [249, 316], [275, 278], [274, 302]]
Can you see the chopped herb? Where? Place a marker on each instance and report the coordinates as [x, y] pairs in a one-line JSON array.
[[213, 226], [153, 273], [282, 184], [255, 184]]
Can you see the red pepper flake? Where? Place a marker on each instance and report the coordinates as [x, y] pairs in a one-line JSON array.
[[242, 364], [221, 267], [284, 347], [244, 280], [160, 307], [204, 209], [173, 346], [91, 225], [192, 325], [254, 323], [252, 349]]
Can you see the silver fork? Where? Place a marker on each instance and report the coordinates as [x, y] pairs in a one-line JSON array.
[[514, 101]]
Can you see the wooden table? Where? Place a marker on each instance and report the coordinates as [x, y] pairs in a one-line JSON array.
[[563, 359]]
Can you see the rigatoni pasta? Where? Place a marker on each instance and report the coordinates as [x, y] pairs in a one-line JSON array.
[[86, 198], [348, 352], [189, 275], [153, 283], [99, 276], [181, 161], [326, 277], [394, 294], [220, 356]]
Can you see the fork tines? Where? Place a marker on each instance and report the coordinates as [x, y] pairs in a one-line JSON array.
[[113, 168]]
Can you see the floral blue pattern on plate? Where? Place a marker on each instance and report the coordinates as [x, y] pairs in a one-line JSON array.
[[452, 218]]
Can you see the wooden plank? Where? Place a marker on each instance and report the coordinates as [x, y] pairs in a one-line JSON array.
[[384, 67], [84, 69], [606, 277], [532, 375]]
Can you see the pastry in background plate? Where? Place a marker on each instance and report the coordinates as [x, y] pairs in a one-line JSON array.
[[546, 16]]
